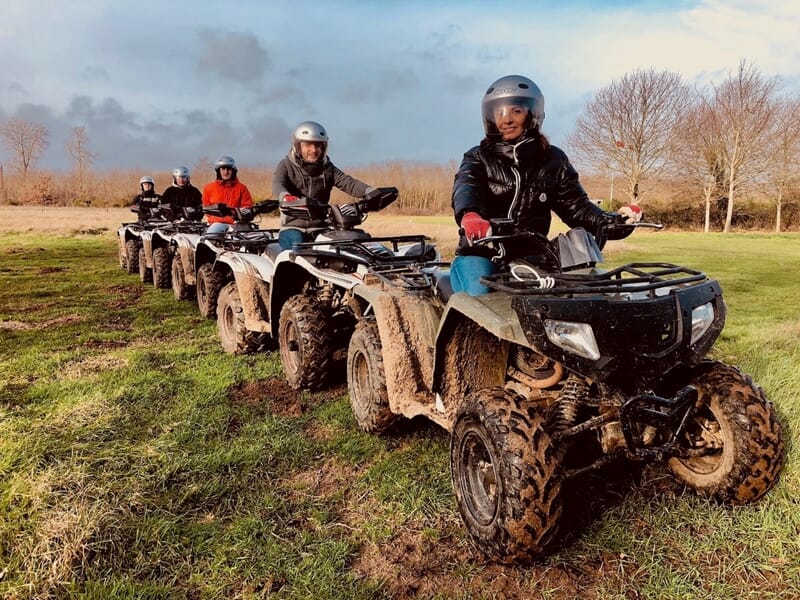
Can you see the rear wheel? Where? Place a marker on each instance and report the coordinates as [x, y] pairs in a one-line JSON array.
[[736, 435], [305, 343], [366, 380], [180, 288], [236, 338], [161, 268], [209, 283], [506, 476], [145, 272], [132, 253]]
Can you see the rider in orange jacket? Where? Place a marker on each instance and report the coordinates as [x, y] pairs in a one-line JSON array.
[[226, 189]]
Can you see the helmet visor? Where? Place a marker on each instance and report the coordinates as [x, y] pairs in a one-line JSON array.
[[509, 117]]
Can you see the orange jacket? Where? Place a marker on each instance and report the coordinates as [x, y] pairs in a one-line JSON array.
[[231, 192]]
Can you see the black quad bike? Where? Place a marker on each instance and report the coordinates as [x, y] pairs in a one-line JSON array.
[[561, 370]]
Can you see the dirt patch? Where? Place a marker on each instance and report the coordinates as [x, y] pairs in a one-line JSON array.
[[57, 322], [14, 325], [123, 296], [48, 270], [21, 250], [322, 481], [269, 396]]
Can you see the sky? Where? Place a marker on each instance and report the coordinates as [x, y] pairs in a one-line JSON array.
[[162, 84]]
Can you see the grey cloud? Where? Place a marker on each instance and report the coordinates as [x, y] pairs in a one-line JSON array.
[[233, 56], [95, 74]]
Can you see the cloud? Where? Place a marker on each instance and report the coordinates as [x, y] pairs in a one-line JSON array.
[[233, 56]]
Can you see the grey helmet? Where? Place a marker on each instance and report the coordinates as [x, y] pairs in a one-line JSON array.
[[512, 90], [225, 161], [146, 179], [180, 172], [309, 131]]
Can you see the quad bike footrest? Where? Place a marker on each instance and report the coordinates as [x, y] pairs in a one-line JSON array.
[[645, 414]]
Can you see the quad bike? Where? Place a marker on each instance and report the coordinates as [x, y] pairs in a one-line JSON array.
[[204, 267], [561, 370], [129, 236], [295, 296], [164, 241]]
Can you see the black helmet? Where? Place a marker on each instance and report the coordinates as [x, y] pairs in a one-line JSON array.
[[225, 161], [512, 90]]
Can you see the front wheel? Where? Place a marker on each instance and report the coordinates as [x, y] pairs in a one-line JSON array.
[[506, 476], [180, 289], [236, 338], [145, 272], [735, 437], [123, 262], [161, 268], [305, 343], [209, 283], [366, 380], [132, 257]]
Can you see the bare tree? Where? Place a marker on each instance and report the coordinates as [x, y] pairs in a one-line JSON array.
[[783, 171], [78, 149], [742, 111], [26, 140], [628, 128]]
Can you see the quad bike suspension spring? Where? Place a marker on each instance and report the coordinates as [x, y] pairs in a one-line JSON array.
[[563, 413]]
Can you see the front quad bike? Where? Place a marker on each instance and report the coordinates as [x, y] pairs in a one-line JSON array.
[[129, 235], [311, 281], [562, 370]]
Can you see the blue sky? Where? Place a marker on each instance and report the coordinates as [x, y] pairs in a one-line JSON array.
[[163, 84]]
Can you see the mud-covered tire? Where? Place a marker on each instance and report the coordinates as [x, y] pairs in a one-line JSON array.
[[305, 343], [123, 263], [180, 289], [145, 272], [506, 476], [235, 337], [161, 268], [740, 426], [209, 284], [132, 252], [366, 380]]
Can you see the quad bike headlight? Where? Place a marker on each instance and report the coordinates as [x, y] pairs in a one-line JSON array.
[[577, 338], [702, 317]]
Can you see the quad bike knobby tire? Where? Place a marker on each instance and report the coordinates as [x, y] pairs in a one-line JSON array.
[[740, 429], [180, 288], [161, 268], [132, 252], [305, 343], [123, 263], [506, 476], [236, 338], [209, 284], [145, 273], [366, 380]]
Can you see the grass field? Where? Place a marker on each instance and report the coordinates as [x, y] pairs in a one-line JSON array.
[[138, 460]]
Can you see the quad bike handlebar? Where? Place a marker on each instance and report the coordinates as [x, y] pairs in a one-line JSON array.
[[341, 216], [242, 215]]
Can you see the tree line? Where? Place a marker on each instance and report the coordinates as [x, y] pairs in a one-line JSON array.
[[647, 131]]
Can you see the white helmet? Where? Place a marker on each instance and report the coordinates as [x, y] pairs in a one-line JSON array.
[[309, 131], [146, 179], [512, 90], [225, 161], [180, 172]]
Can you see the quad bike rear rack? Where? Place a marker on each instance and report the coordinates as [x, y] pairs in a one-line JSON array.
[[251, 241], [627, 279], [359, 250]]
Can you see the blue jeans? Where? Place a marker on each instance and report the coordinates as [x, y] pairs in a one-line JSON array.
[[289, 237], [466, 271]]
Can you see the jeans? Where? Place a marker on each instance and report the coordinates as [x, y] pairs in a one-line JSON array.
[[466, 271], [289, 237]]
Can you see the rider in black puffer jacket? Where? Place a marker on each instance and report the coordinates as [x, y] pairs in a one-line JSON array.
[[514, 173]]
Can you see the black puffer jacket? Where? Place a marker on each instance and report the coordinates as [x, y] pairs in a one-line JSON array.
[[314, 182], [524, 182], [181, 197]]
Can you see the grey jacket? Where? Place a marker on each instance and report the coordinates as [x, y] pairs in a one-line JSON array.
[[314, 182]]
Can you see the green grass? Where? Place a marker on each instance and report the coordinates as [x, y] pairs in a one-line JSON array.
[[138, 460]]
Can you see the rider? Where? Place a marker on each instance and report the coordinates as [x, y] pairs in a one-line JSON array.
[[181, 194], [147, 191], [226, 189], [306, 176], [516, 173]]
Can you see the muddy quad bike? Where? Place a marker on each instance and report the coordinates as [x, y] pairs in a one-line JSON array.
[[183, 230], [129, 235], [244, 236], [307, 311], [562, 369]]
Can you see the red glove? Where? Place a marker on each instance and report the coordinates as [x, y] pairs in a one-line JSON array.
[[475, 226], [288, 198], [632, 213]]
